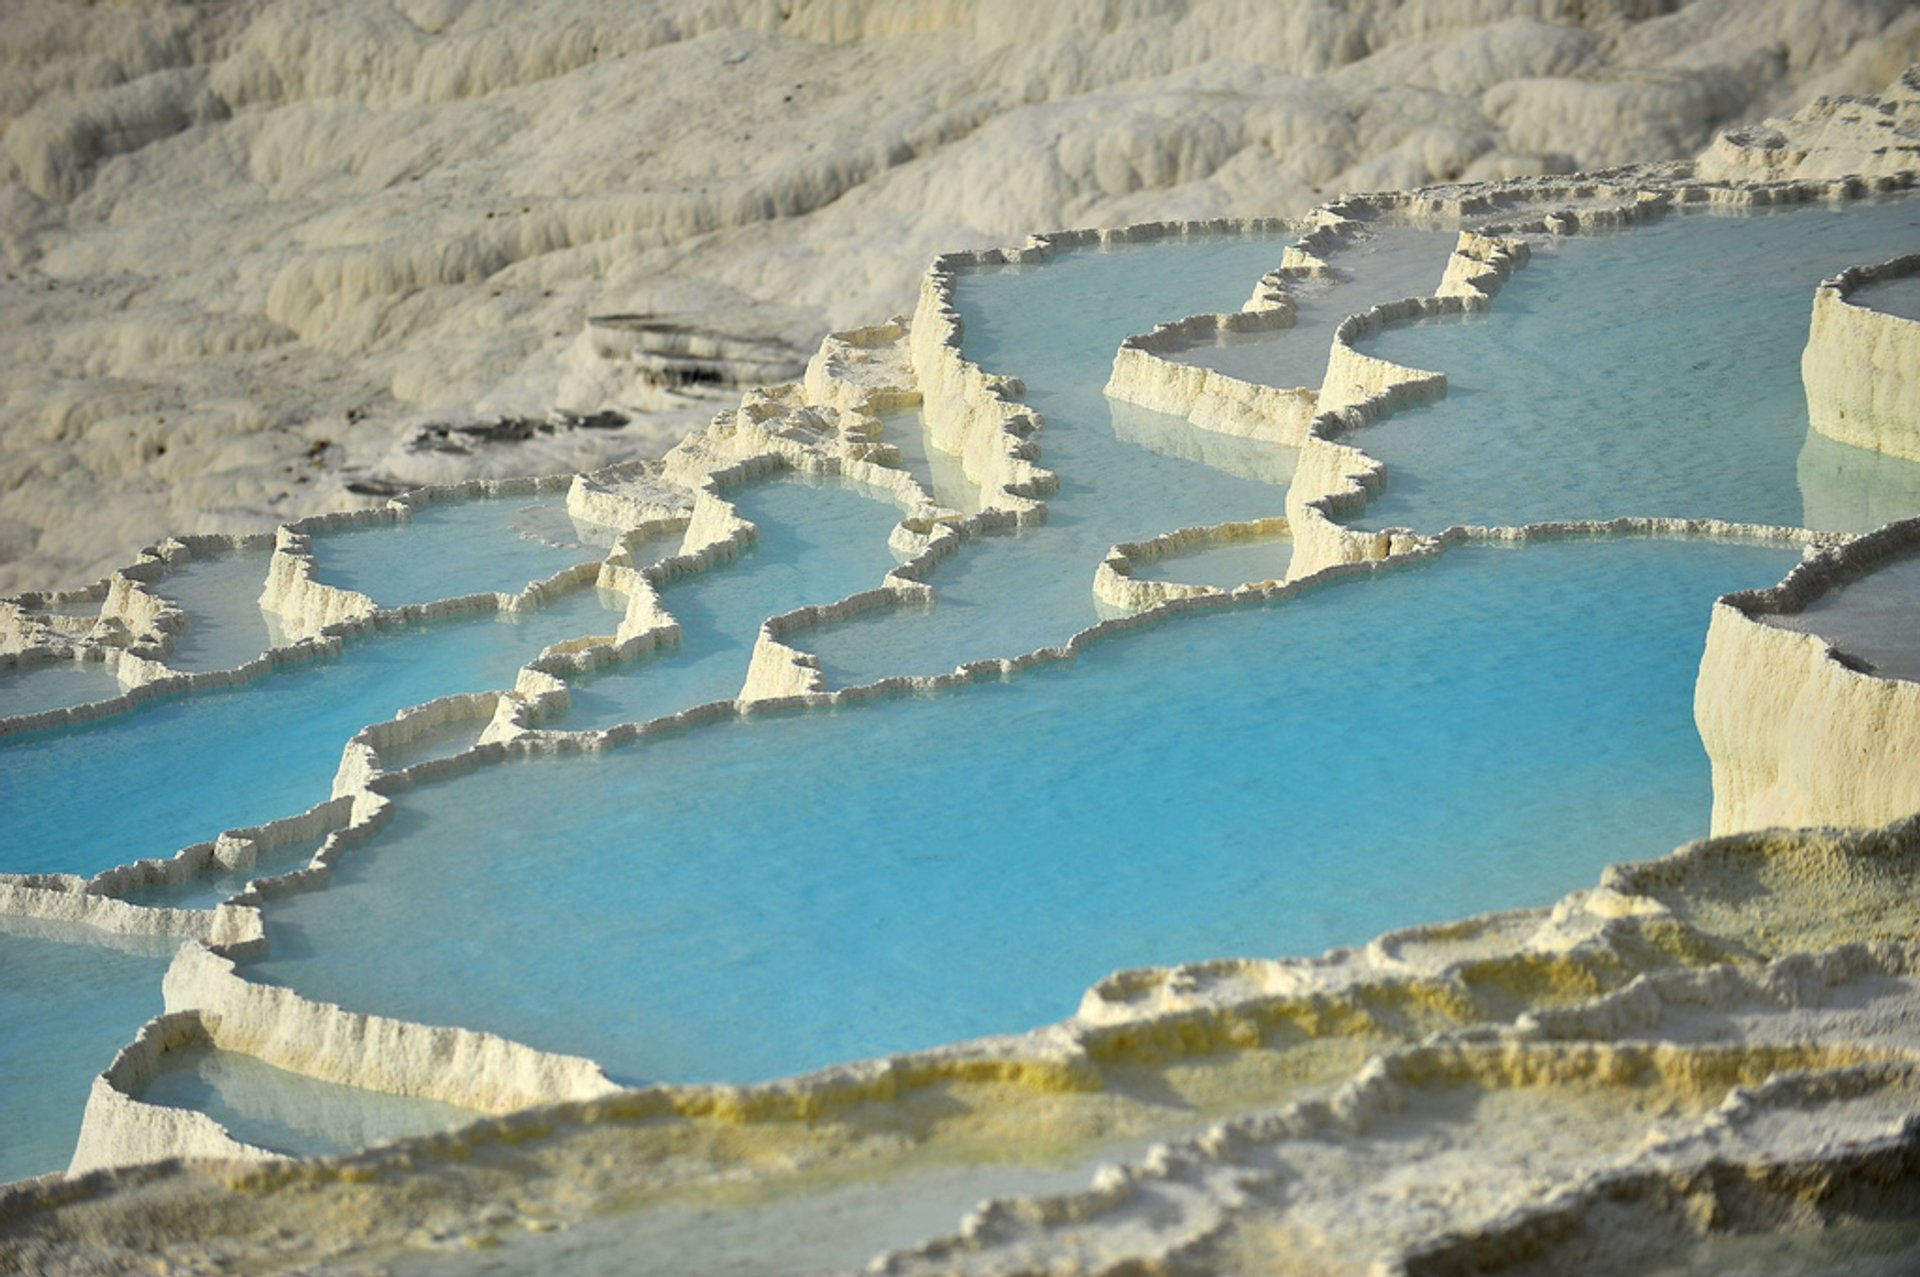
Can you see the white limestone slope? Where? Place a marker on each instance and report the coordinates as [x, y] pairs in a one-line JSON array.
[[251, 248]]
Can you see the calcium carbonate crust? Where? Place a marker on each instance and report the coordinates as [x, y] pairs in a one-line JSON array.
[[1798, 733], [1861, 366], [1484, 983]]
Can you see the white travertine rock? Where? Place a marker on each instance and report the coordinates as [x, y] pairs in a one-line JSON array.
[[867, 370], [1115, 585], [1830, 137], [1145, 372], [119, 1130], [1861, 367], [70, 901], [1640, 1030], [480, 1071], [1210, 399], [1796, 736]]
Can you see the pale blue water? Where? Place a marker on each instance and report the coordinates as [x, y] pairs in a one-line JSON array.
[[1125, 474], [1891, 296], [1383, 264], [69, 998], [820, 539], [1226, 566], [29, 689], [181, 769], [773, 894], [220, 593], [453, 548], [1874, 618], [286, 1112], [1651, 372], [1177, 438], [940, 473], [1852, 489], [451, 738]]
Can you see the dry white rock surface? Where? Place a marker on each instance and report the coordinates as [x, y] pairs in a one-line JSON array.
[[251, 255]]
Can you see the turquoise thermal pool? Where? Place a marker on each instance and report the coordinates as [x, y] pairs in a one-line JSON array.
[[451, 548], [820, 539], [1651, 371], [265, 749], [1872, 619], [70, 997], [879, 879], [286, 1113], [1382, 264], [1125, 473]]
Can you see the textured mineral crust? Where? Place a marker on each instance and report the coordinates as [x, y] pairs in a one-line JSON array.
[[1862, 366], [1710, 1045]]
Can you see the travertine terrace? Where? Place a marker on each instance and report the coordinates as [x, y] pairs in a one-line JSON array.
[[1876, 411], [1713, 1043]]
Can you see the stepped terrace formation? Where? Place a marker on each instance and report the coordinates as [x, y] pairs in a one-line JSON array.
[[1385, 741]]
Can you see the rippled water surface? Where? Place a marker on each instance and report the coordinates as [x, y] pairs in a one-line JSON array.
[[70, 997], [772, 895]]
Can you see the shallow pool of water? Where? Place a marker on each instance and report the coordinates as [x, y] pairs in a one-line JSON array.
[[1126, 474], [453, 548], [29, 689], [1899, 296], [940, 473], [70, 997], [286, 1112], [1381, 264], [183, 768], [220, 593], [775, 894], [204, 891], [1654, 371], [443, 741], [1874, 618], [819, 539], [1232, 564]]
